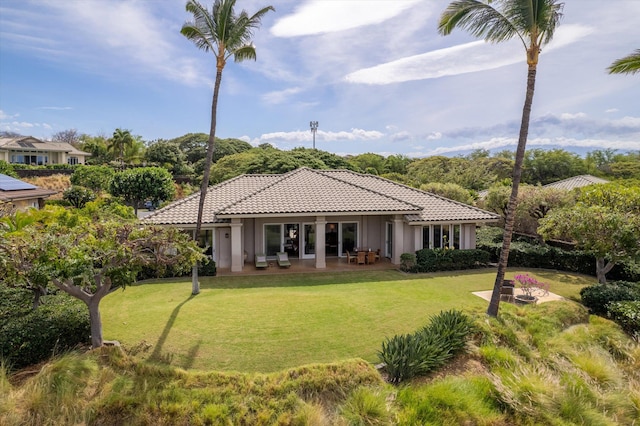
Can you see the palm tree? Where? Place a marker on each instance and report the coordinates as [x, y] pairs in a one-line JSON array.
[[119, 142], [534, 23], [628, 65], [225, 34]]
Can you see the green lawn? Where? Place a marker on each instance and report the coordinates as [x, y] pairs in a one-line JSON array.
[[271, 322]]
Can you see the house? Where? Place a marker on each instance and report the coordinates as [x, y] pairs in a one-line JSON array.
[[319, 214], [576, 182], [29, 150], [18, 195]]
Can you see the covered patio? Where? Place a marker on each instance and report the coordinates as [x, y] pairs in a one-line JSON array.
[[334, 264]]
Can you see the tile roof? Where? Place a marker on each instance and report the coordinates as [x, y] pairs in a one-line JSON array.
[[29, 143], [576, 182], [306, 191]]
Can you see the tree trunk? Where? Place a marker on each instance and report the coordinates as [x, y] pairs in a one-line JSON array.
[[95, 321], [38, 292], [195, 284], [602, 269], [494, 305]]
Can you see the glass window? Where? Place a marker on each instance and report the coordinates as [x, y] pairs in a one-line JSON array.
[[273, 239], [445, 236], [349, 237], [426, 237], [437, 236], [456, 236]]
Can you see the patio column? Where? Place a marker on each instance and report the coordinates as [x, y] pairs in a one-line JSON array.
[[398, 239], [237, 256], [321, 224], [417, 238]]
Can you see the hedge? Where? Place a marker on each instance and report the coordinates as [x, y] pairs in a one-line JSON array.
[[627, 314], [527, 255], [597, 297], [431, 260], [58, 325]]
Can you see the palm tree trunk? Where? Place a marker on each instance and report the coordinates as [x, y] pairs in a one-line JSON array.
[[494, 305], [195, 285]]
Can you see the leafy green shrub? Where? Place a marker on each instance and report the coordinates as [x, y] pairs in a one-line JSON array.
[[78, 196], [429, 260], [627, 314], [597, 297], [57, 326], [407, 261], [207, 268], [7, 169], [97, 178], [409, 355]]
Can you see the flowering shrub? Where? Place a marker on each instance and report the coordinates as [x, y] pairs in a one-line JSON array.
[[531, 285]]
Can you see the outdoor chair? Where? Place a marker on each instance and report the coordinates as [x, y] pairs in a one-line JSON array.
[[283, 259], [371, 257], [261, 261], [350, 258], [362, 257]]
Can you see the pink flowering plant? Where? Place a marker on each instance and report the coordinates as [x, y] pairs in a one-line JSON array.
[[530, 285]]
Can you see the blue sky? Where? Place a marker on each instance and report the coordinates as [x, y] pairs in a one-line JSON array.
[[375, 74]]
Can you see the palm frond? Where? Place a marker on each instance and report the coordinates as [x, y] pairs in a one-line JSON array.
[[628, 65], [478, 18], [535, 19], [245, 52]]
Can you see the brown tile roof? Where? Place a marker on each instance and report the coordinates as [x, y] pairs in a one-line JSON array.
[[29, 143], [575, 182], [315, 192]]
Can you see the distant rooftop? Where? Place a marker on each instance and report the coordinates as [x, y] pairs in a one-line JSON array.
[[576, 182]]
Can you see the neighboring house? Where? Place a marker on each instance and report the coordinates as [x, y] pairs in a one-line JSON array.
[[29, 150], [318, 214], [22, 195], [576, 182], [567, 184]]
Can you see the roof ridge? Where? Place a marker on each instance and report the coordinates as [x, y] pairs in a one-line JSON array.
[[261, 188], [417, 190], [363, 187]]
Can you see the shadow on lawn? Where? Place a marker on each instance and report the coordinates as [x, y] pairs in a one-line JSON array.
[[323, 278], [157, 354]]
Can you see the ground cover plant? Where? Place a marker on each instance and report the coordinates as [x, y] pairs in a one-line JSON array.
[[267, 323], [548, 364]]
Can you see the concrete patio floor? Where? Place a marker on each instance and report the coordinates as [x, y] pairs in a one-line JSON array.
[[486, 295], [334, 264]]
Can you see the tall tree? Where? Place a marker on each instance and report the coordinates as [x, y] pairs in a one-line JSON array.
[[534, 23], [628, 65], [225, 34], [119, 142]]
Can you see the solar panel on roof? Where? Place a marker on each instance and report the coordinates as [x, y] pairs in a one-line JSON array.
[[7, 183], [26, 144]]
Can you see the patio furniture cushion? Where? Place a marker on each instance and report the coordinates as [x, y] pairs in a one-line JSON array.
[[283, 260], [261, 261]]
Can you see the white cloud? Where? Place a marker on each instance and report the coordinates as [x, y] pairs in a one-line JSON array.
[[5, 116], [461, 59], [304, 136], [611, 110], [321, 16], [54, 108], [280, 96], [569, 116]]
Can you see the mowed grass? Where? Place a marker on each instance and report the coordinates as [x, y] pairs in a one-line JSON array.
[[272, 322]]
